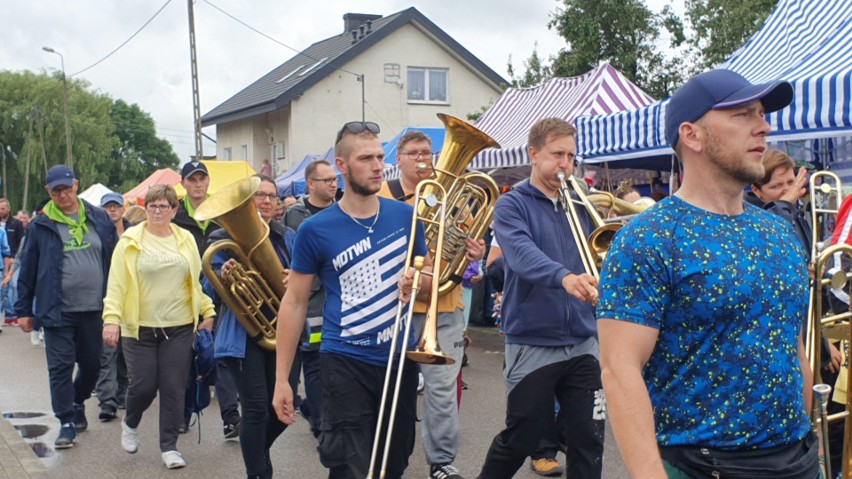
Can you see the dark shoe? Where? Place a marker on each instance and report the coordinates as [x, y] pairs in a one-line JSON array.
[[444, 471], [80, 422], [67, 434], [546, 467], [108, 413], [183, 428], [231, 430]]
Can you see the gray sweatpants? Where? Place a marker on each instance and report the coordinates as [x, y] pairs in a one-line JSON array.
[[440, 427], [159, 361]]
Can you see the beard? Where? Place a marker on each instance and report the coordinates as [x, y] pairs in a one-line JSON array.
[[730, 164], [362, 189]]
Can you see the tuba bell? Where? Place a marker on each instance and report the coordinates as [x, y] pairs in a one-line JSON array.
[[254, 287], [470, 198]]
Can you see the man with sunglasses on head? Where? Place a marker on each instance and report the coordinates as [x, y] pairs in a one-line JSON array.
[[322, 189], [440, 429], [64, 263], [195, 180], [357, 247]]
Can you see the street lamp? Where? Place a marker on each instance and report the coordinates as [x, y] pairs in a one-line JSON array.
[[69, 160]]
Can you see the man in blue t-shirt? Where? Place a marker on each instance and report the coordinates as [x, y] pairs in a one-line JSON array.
[[702, 302], [358, 249]]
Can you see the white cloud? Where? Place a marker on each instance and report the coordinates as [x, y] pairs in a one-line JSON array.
[[153, 69]]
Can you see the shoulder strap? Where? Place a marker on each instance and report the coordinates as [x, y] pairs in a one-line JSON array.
[[395, 188]]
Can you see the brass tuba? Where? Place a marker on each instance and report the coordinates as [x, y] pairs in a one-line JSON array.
[[254, 287], [470, 198]]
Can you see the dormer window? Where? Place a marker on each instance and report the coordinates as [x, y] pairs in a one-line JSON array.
[[427, 85]]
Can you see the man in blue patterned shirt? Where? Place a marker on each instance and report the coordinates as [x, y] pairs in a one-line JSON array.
[[702, 301]]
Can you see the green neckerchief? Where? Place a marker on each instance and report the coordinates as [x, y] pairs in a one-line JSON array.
[[76, 228], [191, 212]]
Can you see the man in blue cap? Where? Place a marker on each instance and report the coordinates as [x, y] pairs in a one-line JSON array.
[[702, 301], [111, 387], [65, 263]]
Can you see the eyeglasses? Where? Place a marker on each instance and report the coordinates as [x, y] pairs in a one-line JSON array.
[[57, 192], [112, 206], [416, 155], [357, 127], [327, 181], [159, 208], [266, 196]]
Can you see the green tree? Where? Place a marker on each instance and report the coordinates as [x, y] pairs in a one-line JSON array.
[[624, 33], [140, 152], [32, 127], [536, 71], [722, 26]]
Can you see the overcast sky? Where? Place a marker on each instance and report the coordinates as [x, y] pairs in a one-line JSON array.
[[153, 69]]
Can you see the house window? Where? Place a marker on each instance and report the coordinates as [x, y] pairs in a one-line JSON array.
[[227, 154], [281, 151], [244, 152], [428, 85]]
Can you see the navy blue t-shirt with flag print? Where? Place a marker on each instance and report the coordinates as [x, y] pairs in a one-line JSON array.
[[360, 271]]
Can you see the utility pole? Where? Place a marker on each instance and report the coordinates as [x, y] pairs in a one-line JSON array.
[[69, 158], [196, 102]]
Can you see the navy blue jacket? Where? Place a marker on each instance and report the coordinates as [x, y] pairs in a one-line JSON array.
[[41, 265], [537, 245]]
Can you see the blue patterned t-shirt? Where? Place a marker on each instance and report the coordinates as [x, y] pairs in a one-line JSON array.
[[728, 295]]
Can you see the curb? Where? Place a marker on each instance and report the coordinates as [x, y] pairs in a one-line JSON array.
[[17, 459]]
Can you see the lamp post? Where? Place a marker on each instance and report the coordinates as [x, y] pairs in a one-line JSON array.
[[69, 160]]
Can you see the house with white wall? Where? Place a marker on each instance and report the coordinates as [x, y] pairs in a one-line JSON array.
[[398, 71]]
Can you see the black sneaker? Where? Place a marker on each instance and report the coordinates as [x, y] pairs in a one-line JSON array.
[[444, 471], [107, 414], [67, 434], [232, 430], [80, 422]]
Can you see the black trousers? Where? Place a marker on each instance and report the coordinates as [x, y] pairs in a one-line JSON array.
[[529, 411], [254, 376], [159, 361], [78, 341], [351, 395]]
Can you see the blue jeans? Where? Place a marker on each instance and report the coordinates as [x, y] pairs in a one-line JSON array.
[[79, 340]]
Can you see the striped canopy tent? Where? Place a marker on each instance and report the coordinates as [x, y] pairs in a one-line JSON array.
[[805, 42], [600, 91]]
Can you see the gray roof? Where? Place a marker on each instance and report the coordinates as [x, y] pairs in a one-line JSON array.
[[270, 93]]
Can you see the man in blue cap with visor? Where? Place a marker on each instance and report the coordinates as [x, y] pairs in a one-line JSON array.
[[702, 301]]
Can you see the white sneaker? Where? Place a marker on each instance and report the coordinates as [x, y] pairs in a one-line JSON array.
[[34, 340], [173, 460], [130, 439]]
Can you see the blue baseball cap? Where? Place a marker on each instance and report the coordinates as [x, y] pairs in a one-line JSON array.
[[59, 175], [193, 167], [718, 89], [112, 197]]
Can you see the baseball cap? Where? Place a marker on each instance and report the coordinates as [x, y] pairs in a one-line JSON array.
[[112, 197], [59, 175], [719, 89], [192, 167]]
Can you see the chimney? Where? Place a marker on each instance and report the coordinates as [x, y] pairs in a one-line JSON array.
[[351, 21]]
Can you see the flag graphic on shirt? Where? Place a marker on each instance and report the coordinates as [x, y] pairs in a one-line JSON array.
[[369, 290]]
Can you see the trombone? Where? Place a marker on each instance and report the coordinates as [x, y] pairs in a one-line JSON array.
[[432, 196], [592, 250]]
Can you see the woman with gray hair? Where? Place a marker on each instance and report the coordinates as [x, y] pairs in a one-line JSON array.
[[153, 300]]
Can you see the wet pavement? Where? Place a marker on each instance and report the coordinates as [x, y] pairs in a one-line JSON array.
[[25, 404]]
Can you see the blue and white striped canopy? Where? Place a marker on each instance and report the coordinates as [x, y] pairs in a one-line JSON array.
[[806, 42], [602, 90]]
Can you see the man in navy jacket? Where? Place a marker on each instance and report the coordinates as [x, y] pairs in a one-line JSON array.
[[64, 266], [551, 336]]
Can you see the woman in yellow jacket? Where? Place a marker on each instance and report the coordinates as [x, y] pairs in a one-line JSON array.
[[154, 296]]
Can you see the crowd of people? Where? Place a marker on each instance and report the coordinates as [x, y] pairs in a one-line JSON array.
[[663, 341]]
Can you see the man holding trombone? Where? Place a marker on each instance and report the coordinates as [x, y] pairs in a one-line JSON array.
[[703, 298], [551, 343], [358, 247]]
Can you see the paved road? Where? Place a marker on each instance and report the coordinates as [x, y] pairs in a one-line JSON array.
[[98, 453]]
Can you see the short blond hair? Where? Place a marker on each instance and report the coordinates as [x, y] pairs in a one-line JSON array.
[[162, 192]]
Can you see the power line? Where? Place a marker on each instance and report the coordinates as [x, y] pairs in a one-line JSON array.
[[125, 42], [272, 39]]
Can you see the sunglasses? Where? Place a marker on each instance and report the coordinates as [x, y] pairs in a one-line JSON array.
[[356, 128]]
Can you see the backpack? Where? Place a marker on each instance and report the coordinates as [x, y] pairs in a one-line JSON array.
[[202, 375]]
